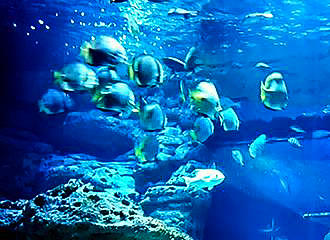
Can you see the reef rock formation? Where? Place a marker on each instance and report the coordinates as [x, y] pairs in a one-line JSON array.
[[99, 134], [176, 205], [105, 176], [76, 211]]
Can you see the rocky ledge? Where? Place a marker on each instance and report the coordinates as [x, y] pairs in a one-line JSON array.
[[77, 211]]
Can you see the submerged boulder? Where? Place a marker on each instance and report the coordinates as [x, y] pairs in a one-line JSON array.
[[76, 211], [98, 133], [177, 206]]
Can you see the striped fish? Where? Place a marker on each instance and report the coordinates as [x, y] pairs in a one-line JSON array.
[[294, 142]]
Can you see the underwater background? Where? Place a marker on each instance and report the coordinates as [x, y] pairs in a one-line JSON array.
[[80, 169]]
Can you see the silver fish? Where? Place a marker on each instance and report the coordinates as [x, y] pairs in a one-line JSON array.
[[238, 157], [257, 147], [294, 142]]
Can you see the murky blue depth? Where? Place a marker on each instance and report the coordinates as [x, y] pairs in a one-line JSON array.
[[268, 157]]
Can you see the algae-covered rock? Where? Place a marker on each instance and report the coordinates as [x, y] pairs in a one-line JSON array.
[[76, 211]]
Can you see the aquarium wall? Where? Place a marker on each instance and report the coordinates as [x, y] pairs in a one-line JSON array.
[[164, 119]]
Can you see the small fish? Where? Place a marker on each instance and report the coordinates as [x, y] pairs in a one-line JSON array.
[[152, 117], [257, 147], [118, 1], [204, 178], [180, 11], [103, 51], [146, 71], [147, 148], [266, 14], [118, 98], [76, 77], [203, 129], [229, 120], [262, 65], [297, 129], [321, 134], [273, 92], [54, 102], [205, 100], [327, 236], [294, 142], [238, 157]]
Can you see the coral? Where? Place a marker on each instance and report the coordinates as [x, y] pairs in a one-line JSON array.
[[77, 211]]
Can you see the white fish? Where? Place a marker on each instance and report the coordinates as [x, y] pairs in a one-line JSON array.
[[238, 157], [229, 120], [204, 178], [297, 129], [267, 14], [257, 147], [262, 65], [294, 142]]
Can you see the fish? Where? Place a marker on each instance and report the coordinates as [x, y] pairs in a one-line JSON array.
[[257, 147], [297, 129], [117, 97], [273, 92], [146, 71], [229, 120], [266, 14], [262, 65], [294, 142], [204, 99], [152, 117], [204, 178], [103, 51], [327, 236], [317, 134], [75, 77], [55, 102], [237, 156], [147, 148], [180, 11], [118, 1], [203, 129]]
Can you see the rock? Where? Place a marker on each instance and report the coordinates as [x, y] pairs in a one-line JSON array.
[[76, 211], [99, 134], [113, 176], [175, 205]]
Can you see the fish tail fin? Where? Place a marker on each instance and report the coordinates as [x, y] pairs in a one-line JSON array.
[[139, 154], [193, 135], [262, 92], [182, 91], [131, 73], [84, 52], [96, 94], [58, 77]]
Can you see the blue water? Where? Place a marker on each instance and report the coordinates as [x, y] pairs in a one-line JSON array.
[[39, 37]]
